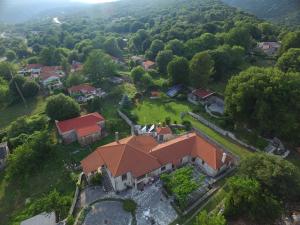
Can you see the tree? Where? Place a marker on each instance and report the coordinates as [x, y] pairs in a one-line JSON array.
[[290, 60], [214, 219], [176, 46], [246, 199], [255, 95], [7, 70], [4, 90], [61, 107], [155, 47], [30, 88], [75, 79], [65, 66], [178, 70], [276, 175], [111, 47], [239, 36], [162, 60], [10, 55], [98, 66], [137, 73], [205, 42], [201, 69], [50, 56], [290, 40]]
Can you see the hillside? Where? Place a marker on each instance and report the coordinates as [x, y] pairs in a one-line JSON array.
[[285, 12]]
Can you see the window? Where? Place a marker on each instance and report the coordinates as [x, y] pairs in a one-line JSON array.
[[203, 162], [124, 177], [163, 168], [193, 159]]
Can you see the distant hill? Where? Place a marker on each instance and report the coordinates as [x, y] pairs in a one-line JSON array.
[[282, 11]]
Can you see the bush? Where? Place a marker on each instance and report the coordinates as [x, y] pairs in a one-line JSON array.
[[129, 206], [70, 220], [187, 124], [96, 179]]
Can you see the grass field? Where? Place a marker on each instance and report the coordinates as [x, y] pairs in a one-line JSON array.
[[155, 111], [11, 113]]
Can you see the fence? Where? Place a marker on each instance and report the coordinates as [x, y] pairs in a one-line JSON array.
[[222, 131], [127, 120]]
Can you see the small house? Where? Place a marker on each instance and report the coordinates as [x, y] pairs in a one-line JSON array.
[[50, 77], [84, 129], [200, 96], [76, 67], [81, 89], [163, 134], [269, 48], [148, 65], [4, 152]]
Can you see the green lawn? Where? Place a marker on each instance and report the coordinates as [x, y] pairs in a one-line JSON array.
[[155, 111], [11, 113]]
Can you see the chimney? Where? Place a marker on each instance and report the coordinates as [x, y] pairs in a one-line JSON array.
[[117, 136], [224, 157]]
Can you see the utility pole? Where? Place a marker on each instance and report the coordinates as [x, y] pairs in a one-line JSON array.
[[19, 90]]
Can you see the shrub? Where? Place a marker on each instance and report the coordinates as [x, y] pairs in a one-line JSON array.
[[70, 220], [129, 206], [187, 124], [97, 179]]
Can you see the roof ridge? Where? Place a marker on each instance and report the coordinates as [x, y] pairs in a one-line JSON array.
[[118, 164]]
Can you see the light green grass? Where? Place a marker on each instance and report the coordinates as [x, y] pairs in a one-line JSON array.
[[11, 113], [155, 111]]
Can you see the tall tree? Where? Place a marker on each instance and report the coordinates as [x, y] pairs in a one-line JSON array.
[[178, 70], [98, 66], [61, 107], [201, 69], [290, 60], [162, 60]]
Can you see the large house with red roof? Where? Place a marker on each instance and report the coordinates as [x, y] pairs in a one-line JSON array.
[[135, 160], [84, 129], [200, 96]]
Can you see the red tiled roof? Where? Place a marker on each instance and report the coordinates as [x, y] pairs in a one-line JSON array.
[[80, 122], [142, 154], [50, 71], [85, 88], [202, 93], [163, 130], [88, 130], [34, 66], [92, 162], [147, 64]]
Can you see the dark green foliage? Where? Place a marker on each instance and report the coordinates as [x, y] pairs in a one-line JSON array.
[[162, 60], [26, 125], [4, 91], [70, 220], [111, 47], [256, 95], [52, 202], [187, 124], [75, 79], [290, 40], [275, 175], [10, 55], [176, 46], [50, 56], [247, 199], [137, 73], [98, 66], [210, 219], [201, 69], [7, 70], [129, 205], [125, 103], [96, 179], [290, 60], [28, 88], [61, 107], [29, 157], [178, 70], [94, 105], [239, 36], [155, 47]]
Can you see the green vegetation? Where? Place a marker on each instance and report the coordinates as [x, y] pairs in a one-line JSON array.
[[129, 205], [181, 183], [214, 219], [62, 107]]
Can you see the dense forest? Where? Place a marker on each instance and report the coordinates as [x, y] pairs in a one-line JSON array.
[[284, 12], [196, 43]]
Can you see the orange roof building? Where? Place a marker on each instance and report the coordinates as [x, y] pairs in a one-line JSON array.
[[85, 129], [134, 160]]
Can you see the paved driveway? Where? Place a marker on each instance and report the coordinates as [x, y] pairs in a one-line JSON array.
[[108, 212]]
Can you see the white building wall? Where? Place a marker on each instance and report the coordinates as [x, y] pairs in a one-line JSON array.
[[119, 184]]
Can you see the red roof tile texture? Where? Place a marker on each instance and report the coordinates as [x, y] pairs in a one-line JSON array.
[[82, 123], [142, 154], [84, 88], [202, 93]]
